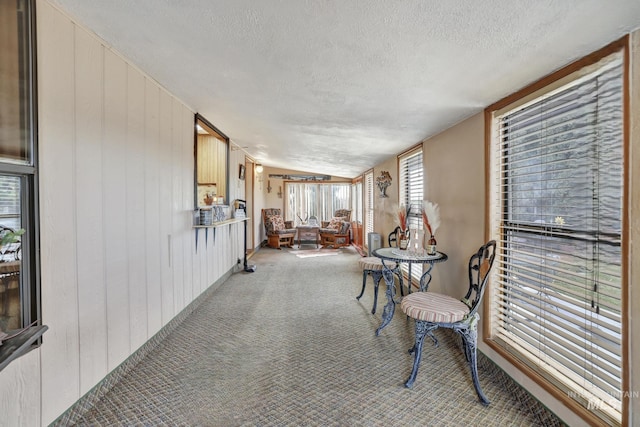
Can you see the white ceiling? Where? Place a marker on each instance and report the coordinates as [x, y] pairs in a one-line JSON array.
[[338, 86]]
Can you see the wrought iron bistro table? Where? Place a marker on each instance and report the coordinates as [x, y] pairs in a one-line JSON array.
[[397, 255]]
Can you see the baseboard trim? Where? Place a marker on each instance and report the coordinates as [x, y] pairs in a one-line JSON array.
[[526, 399]]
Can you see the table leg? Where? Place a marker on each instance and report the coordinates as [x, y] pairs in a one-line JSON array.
[[390, 307]]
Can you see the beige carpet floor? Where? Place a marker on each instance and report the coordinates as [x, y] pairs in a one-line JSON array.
[[289, 345]]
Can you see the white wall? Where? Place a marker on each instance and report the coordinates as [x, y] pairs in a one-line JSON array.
[[454, 178], [118, 255]]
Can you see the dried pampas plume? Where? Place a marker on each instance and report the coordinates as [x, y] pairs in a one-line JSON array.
[[431, 216]]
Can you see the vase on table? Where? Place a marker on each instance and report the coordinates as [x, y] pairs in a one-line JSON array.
[[416, 240], [431, 246], [403, 239]]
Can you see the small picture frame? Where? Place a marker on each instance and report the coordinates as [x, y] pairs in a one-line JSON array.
[[241, 175]]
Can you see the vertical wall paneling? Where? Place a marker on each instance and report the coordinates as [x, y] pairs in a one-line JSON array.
[[165, 207], [178, 240], [89, 209], [20, 391], [118, 257], [60, 355], [151, 221], [135, 233], [188, 202], [115, 208]]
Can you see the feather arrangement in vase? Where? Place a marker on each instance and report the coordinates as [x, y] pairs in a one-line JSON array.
[[431, 221], [403, 214], [403, 234]]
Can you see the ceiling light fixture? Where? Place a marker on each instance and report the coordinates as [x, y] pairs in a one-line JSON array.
[[259, 168]]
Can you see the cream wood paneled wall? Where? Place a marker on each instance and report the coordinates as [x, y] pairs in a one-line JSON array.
[[118, 253], [634, 230]]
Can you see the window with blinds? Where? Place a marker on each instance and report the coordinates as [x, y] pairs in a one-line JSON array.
[[368, 204], [411, 193], [315, 199], [557, 188]]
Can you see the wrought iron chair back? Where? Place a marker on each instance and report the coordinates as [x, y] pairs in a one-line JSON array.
[[393, 238], [480, 264]]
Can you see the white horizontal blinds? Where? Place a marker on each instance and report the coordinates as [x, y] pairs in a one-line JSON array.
[[559, 224], [369, 208], [315, 199], [412, 194], [10, 193]]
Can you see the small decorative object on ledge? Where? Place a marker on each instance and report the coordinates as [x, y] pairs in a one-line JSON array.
[[206, 215], [383, 181], [431, 221]]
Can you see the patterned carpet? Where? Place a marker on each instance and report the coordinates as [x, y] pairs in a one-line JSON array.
[[289, 345]]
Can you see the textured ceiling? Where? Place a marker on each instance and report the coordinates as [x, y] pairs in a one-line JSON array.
[[338, 86]]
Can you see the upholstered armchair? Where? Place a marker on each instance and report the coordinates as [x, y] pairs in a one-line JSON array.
[[337, 233], [345, 214], [279, 232]]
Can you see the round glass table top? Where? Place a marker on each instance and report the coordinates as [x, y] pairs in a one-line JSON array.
[[399, 255]]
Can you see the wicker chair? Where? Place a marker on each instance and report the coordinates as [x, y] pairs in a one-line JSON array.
[[432, 311], [279, 232]]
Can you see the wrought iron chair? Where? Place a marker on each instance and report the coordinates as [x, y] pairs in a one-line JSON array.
[[372, 266], [393, 238], [432, 311]]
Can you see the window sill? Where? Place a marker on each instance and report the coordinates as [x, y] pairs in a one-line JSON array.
[[19, 345]]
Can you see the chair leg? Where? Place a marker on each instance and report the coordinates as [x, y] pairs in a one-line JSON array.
[[364, 283], [422, 330], [470, 341], [377, 276]]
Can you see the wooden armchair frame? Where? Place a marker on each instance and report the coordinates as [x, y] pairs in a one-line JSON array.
[[279, 238]]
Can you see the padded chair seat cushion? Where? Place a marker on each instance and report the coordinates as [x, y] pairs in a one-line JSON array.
[[285, 231], [374, 263], [433, 307], [328, 231]]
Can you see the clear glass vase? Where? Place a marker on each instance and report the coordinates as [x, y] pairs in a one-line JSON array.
[[416, 239]]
